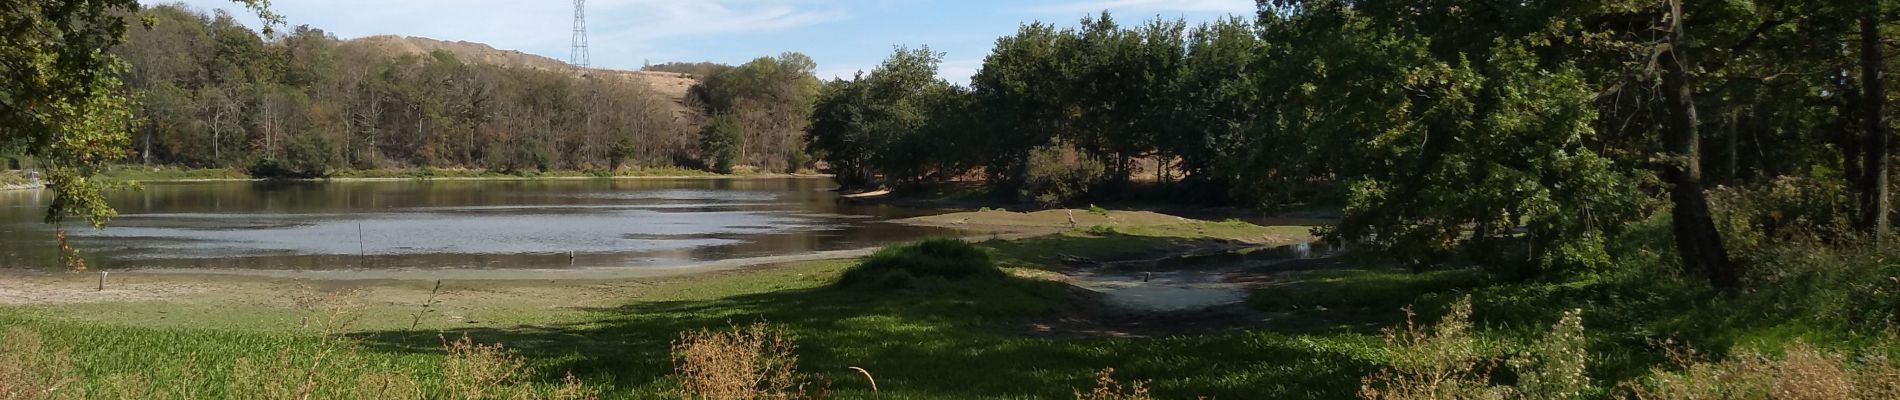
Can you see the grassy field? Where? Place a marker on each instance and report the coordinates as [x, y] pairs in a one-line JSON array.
[[936, 339]]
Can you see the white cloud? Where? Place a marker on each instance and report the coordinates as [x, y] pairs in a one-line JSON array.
[[959, 71], [1223, 6]]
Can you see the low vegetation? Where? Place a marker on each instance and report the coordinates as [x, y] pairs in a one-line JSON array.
[[966, 327], [755, 361], [326, 364], [946, 261], [13, 178]]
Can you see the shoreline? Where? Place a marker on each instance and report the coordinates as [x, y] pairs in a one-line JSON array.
[[580, 274], [488, 178], [557, 176], [530, 276]]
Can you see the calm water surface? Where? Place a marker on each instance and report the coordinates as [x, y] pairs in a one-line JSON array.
[[457, 224]]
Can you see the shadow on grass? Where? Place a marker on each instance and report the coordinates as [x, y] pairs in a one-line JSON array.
[[943, 340], [1080, 247]]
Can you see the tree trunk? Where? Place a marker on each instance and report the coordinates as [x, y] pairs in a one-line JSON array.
[[1734, 146], [145, 156], [1847, 136], [1697, 241], [1873, 183], [217, 136]]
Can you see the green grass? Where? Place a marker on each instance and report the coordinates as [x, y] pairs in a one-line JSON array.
[[951, 261], [939, 339], [1113, 242], [942, 342], [971, 338], [1376, 295]]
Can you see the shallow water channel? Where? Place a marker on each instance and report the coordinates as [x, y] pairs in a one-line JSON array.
[[1187, 282], [448, 225]]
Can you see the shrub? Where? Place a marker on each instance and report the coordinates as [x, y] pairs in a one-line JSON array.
[[719, 143], [1802, 373], [1447, 362], [900, 266], [1554, 367], [1051, 179], [306, 156], [740, 363], [1443, 362], [1786, 208]]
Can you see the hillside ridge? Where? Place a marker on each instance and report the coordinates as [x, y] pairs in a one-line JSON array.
[[675, 86]]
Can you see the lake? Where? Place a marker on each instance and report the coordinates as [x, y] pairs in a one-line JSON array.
[[456, 225]]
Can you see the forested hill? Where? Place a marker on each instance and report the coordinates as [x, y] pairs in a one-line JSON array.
[[209, 92]]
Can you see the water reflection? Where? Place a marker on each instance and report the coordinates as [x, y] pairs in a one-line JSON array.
[[458, 224]]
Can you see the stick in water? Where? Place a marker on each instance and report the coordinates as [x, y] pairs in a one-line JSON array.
[[362, 253], [102, 280]]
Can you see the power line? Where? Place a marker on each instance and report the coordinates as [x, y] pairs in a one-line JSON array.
[[579, 55]]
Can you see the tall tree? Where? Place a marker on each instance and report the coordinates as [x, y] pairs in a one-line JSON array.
[[1877, 148], [1697, 242], [61, 100]]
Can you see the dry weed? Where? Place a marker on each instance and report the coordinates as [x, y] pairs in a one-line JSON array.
[[740, 363], [1440, 363], [1106, 388], [1446, 362], [1554, 368], [487, 371], [31, 371], [1802, 373]]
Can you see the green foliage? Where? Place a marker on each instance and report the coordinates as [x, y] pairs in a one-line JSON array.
[[1493, 150], [1787, 208], [307, 156], [212, 93], [900, 267], [772, 99], [889, 126], [1054, 176], [720, 141]]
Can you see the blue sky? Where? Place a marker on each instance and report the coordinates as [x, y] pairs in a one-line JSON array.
[[844, 36]]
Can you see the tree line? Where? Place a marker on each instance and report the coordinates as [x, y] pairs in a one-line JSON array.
[[209, 92], [1530, 130]]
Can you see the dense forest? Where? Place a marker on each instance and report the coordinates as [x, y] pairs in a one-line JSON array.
[[209, 92], [1533, 129]]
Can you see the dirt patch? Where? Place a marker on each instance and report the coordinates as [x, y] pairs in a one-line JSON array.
[[27, 289]]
